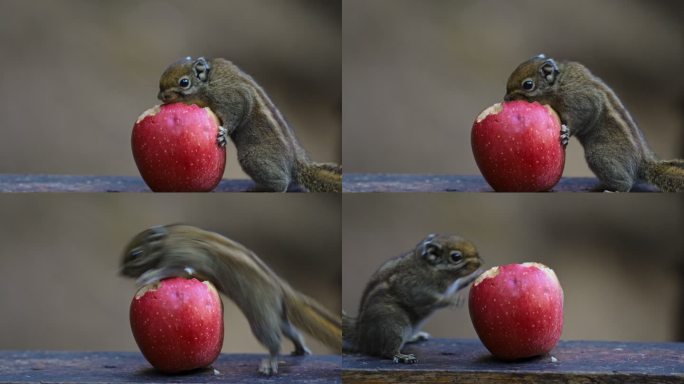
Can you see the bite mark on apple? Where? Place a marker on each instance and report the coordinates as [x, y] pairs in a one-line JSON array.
[[491, 272], [213, 115], [548, 271], [150, 112], [211, 287], [552, 111], [148, 288], [492, 110]]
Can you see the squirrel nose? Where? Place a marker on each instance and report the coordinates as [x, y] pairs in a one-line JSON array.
[[165, 96], [507, 97]]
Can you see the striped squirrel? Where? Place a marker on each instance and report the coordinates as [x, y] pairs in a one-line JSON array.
[[267, 148], [614, 147], [405, 291], [271, 306]]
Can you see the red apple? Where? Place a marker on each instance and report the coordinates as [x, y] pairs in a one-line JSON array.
[[176, 149], [517, 310], [178, 324], [517, 146]]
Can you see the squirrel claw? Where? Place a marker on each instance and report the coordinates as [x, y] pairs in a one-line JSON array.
[[565, 135], [405, 358], [222, 135], [269, 366], [304, 351]]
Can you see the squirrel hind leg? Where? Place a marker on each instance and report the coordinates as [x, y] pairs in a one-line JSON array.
[[293, 334], [615, 174], [266, 328], [269, 366], [269, 175]]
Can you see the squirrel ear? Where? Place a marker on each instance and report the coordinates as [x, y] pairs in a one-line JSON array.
[[157, 232], [549, 71], [201, 69], [428, 248]]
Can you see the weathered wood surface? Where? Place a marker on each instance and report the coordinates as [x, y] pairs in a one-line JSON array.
[[131, 367], [467, 361], [73, 183], [352, 182], [396, 182]]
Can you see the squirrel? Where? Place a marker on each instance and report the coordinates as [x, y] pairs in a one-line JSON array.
[[267, 148], [614, 147], [405, 291], [271, 306]]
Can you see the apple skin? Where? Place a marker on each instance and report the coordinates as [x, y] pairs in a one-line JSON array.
[[517, 310], [178, 324], [517, 146], [175, 147]]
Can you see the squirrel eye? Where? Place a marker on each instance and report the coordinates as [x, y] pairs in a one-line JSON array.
[[528, 85], [456, 256], [184, 82], [135, 253]]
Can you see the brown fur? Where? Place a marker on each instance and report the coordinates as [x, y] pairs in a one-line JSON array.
[[614, 147], [268, 150], [271, 306], [404, 292]]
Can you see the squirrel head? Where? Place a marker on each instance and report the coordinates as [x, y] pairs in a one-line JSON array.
[[449, 253], [185, 80], [532, 79], [142, 252]]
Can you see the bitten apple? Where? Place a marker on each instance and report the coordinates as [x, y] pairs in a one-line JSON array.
[[175, 147], [517, 310], [178, 324], [517, 146]]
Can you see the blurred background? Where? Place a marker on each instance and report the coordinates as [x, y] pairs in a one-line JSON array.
[[60, 255], [77, 73], [618, 257], [417, 73]]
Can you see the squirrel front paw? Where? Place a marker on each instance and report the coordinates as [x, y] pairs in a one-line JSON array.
[[405, 358], [419, 336], [565, 135], [222, 136]]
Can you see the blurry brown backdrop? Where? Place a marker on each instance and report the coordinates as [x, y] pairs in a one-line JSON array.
[[618, 257], [60, 254], [77, 73], [416, 73]]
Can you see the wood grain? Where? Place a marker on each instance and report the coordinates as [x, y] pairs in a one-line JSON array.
[[395, 182], [467, 361], [131, 367], [74, 183]]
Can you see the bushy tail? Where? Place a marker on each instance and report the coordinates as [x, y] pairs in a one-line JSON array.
[[309, 316], [668, 175], [348, 333], [319, 177]]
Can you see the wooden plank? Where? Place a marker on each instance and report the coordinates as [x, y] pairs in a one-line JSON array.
[[352, 182], [131, 367], [467, 361], [396, 182], [74, 183]]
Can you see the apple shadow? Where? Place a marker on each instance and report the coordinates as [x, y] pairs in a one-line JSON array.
[[491, 360]]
